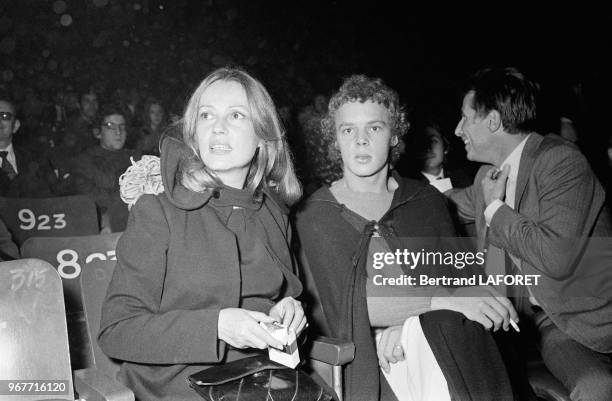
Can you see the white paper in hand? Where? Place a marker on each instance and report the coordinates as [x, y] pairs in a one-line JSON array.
[[290, 355]]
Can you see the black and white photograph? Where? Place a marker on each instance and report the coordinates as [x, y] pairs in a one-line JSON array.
[[230, 200]]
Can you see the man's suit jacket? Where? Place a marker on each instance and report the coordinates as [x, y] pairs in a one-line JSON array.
[[34, 177], [558, 203]]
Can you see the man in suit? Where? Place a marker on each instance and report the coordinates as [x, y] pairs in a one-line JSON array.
[[533, 204], [429, 150], [22, 174]]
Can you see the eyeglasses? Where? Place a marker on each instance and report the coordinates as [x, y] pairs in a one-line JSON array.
[[6, 116], [114, 126]]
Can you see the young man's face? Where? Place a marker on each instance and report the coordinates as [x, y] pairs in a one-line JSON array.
[[363, 134], [9, 124], [113, 132], [479, 141]]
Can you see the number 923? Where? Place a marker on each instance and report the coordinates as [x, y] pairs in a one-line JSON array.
[[28, 220]]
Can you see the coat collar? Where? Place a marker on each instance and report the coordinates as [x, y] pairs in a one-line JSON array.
[[173, 151], [407, 190]]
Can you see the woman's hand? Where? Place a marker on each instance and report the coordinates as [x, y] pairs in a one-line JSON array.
[[240, 328], [389, 347], [289, 312], [483, 305]]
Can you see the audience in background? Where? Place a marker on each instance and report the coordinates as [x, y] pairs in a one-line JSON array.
[[81, 128], [316, 147], [132, 107], [426, 158], [147, 137]]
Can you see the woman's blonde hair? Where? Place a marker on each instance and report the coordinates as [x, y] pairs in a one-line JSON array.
[[271, 166]]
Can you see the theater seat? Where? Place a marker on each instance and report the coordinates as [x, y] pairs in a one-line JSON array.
[[544, 384], [94, 282], [33, 336], [71, 256], [49, 217]]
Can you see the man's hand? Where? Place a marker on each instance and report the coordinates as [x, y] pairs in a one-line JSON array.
[[389, 347], [494, 184], [482, 304]]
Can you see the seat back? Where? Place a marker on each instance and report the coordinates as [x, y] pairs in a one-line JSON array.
[[33, 336], [94, 283], [49, 217], [71, 256]]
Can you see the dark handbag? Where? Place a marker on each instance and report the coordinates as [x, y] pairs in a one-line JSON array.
[[254, 379]]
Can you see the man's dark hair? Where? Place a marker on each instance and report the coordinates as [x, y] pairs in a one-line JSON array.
[[510, 93], [12, 103], [108, 110]]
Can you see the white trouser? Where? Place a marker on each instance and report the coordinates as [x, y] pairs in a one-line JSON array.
[[418, 377]]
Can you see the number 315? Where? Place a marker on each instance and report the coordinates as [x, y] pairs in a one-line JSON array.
[[28, 220]]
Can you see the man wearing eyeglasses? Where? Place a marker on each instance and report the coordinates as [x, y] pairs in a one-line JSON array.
[[97, 170], [22, 174]]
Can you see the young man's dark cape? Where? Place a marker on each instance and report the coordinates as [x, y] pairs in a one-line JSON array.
[[333, 256]]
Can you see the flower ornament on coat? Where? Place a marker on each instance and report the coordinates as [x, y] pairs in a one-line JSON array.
[[142, 177]]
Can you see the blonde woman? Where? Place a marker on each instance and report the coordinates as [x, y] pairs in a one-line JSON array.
[[203, 262]]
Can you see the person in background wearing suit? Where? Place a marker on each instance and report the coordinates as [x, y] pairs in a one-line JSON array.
[[536, 195], [430, 148], [426, 161], [22, 174]]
